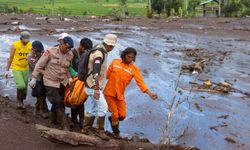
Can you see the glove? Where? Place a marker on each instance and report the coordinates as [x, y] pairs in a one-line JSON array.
[[70, 81], [32, 83], [6, 75]]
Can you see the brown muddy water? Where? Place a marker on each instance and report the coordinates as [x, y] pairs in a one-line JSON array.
[[201, 122]]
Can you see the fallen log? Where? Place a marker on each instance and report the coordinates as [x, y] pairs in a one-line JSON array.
[[200, 90], [73, 138]]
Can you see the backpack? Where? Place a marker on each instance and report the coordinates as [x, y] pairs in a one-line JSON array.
[[75, 94], [84, 61], [75, 60]]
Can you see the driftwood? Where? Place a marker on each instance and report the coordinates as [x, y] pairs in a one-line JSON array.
[[201, 90], [198, 66], [73, 138]]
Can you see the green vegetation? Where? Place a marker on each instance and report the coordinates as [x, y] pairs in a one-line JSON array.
[[237, 8], [192, 5], [231, 8], [73, 7], [177, 7]]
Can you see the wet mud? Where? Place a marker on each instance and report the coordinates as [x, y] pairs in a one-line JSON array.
[[211, 120]]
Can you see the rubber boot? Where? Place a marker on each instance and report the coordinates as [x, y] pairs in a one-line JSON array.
[[37, 107], [87, 124], [100, 131], [62, 119], [20, 98], [115, 128], [52, 115], [81, 115], [43, 107]]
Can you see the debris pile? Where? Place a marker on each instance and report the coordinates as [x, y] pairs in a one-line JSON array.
[[201, 59]]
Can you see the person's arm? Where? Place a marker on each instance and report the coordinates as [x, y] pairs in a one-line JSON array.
[[41, 64], [97, 64], [9, 62], [153, 96], [139, 81], [39, 68], [72, 71], [31, 61]]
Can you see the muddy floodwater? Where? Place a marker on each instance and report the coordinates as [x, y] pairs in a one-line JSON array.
[[210, 121]]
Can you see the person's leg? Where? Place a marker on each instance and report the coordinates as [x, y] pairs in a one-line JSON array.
[[121, 106], [102, 109], [43, 106], [37, 107], [21, 87], [25, 74], [50, 96], [88, 123], [89, 117], [60, 108], [99, 109], [42, 97], [39, 92], [74, 112], [81, 114], [113, 105], [52, 115], [55, 96]]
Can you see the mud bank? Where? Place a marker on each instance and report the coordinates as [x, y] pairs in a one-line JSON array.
[[18, 131]]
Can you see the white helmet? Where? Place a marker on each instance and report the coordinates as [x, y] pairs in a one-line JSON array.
[[110, 39], [62, 35]]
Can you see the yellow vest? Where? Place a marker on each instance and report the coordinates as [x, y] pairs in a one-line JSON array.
[[20, 60]]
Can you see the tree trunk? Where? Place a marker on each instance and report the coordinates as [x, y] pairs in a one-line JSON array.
[[73, 138]]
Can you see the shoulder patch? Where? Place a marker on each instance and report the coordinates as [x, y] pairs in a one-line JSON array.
[[47, 53], [97, 61]]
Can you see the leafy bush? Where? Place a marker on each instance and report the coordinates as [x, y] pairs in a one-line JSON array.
[[192, 4], [113, 12], [85, 13], [232, 9], [246, 12], [15, 9], [246, 3], [158, 6], [172, 6]]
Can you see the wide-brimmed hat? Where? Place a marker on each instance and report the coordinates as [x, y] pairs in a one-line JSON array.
[[110, 39]]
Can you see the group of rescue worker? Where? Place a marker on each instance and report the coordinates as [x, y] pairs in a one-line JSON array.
[[51, 70]]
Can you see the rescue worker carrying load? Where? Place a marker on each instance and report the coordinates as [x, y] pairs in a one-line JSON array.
[[119, 75], [54, 65], [39, 90], [74, 95], [92, 70]]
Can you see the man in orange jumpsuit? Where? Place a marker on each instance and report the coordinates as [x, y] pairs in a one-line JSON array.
[[119, 75]]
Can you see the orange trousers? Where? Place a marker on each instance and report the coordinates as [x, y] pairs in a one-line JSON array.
[[116, 107]]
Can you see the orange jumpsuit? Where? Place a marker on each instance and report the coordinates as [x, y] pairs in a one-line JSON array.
[[119, 76]]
